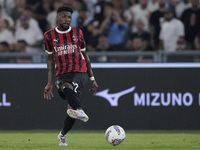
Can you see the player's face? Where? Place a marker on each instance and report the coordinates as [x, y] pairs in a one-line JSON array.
[[64, 19]]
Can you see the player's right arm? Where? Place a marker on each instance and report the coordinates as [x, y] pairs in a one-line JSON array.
[[48, 90]]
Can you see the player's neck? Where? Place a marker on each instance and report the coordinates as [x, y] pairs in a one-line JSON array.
[[62, 29]]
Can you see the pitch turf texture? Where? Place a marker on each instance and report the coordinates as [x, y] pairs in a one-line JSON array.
[[95, 140]]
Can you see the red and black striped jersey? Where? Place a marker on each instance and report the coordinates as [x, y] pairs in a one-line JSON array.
[[66, 46]]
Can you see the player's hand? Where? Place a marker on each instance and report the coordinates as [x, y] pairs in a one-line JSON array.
[[48, 94], [94, 86]]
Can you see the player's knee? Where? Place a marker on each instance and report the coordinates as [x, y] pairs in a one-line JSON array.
[[66, 85]]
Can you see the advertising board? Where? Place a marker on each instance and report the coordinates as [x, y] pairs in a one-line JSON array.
[[135, 96]]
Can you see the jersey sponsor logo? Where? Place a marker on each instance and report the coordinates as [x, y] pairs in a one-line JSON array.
[[153, 99], [65, 49]]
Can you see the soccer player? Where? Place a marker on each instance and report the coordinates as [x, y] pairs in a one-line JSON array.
[[66, 47]]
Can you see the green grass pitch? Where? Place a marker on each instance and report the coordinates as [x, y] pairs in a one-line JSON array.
[[95, 140]]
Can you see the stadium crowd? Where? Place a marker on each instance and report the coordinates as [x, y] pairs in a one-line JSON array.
[[108, 25]]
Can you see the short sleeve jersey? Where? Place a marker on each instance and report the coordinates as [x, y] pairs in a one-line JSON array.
[[66, 47]]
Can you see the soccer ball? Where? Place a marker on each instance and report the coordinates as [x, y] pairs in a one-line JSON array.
[[115, 135]]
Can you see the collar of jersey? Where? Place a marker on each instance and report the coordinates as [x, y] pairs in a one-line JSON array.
[[63, 31]]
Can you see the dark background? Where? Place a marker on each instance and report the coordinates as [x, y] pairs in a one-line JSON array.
[[24, 89]]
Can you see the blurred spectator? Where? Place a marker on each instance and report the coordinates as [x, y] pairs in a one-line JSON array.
[[67, 2], [20, 46], [197, 41], [29, 30], [90, 6], [129, 45], [82, 13], [40, 13], [17, 11], [7, 5], [77, 5], [138, 44], [48, 5], [181, 44], [181, 7], [33, 3], [104, 27], [51, 17], [153, 5], [27, 14], [4, 47], [191, 21], [116, 28], [171, 30], [127, 11], [119, 5], [99, 12], [92, 34], [139, 24], [5, 34], [156, 20], [103, 44], [88, 26], [3, 15], [141, 33], [173, 4], [139, 11]]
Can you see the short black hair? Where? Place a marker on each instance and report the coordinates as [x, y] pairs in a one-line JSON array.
[[4, 43], [22, 41], [64, 8]]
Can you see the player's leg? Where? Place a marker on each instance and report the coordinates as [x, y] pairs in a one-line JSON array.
[[76, 94], [73, 100], [79, 81], [66, 90], [73, 92], [62, 139], [68, 124], [70, 95]]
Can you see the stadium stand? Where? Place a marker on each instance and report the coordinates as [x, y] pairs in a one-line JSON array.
[[130, 29]]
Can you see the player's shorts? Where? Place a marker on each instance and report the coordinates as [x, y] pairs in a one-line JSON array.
[[77, 79]]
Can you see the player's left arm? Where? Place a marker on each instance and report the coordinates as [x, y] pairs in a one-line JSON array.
[[94, 85]]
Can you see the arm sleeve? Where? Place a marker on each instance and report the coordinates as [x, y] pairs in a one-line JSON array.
[[82, 43], [47, 44]]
